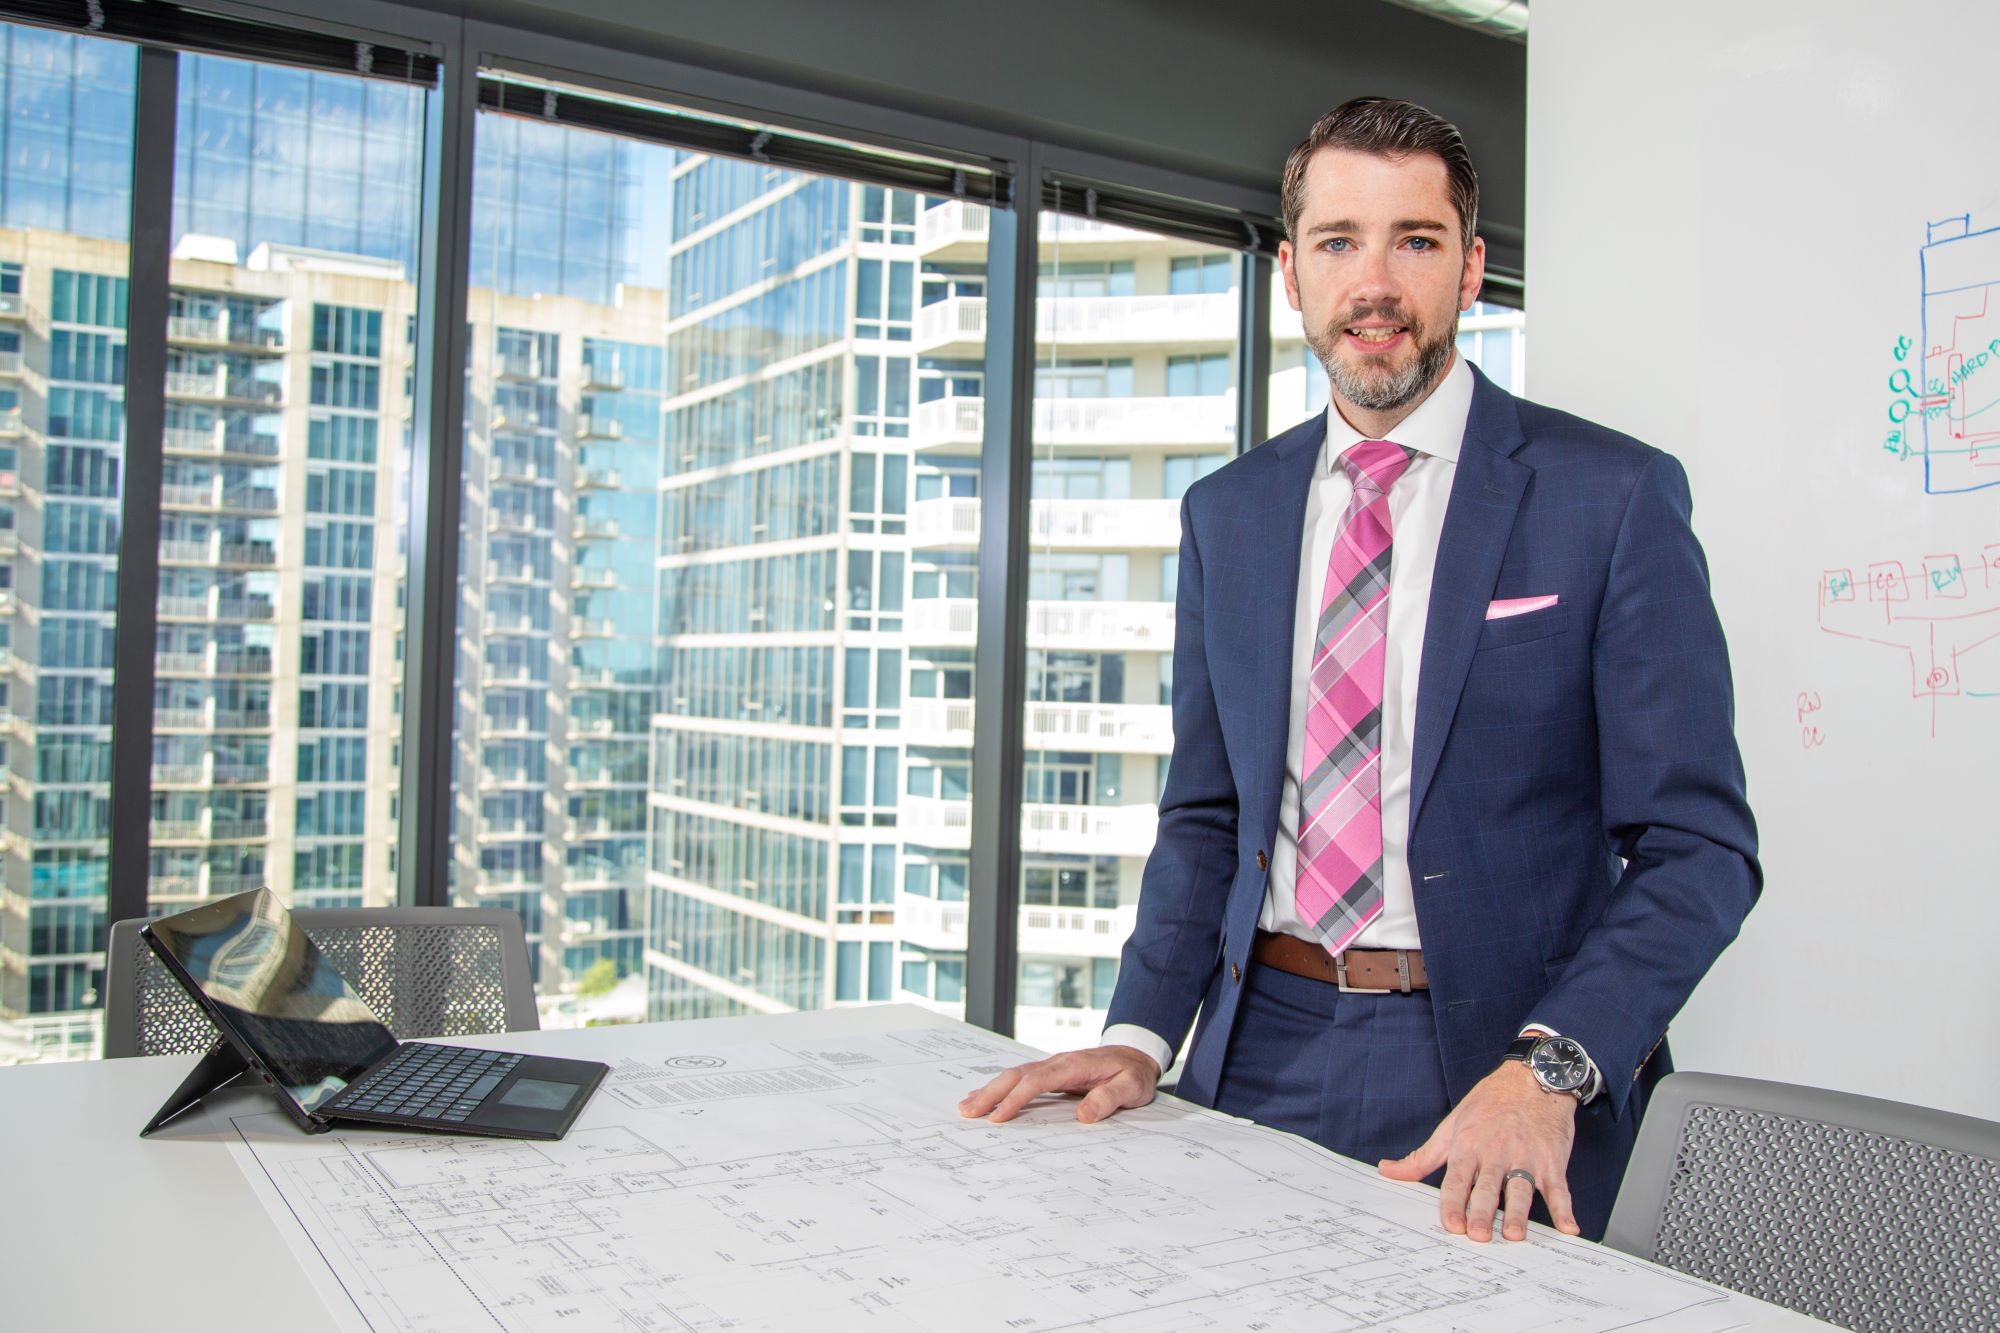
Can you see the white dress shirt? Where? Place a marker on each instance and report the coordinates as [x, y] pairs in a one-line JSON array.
[[1416, 519]]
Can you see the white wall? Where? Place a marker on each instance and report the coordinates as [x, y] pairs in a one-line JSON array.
[[1726, 208]]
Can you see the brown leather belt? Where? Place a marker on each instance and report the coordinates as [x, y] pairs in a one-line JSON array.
[[1373, 970]]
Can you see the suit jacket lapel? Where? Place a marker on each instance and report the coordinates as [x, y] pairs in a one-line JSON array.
[[1276, 537], [1479, 519]]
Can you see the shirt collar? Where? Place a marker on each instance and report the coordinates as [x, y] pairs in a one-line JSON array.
[[1436, 428]]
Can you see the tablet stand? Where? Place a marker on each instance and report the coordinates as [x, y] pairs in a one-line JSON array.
[[222, 1066]]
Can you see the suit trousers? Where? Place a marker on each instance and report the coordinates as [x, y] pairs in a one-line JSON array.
[[1359, 1074]]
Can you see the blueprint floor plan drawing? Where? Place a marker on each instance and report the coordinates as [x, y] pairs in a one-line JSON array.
[[1961, 356], [833, 1186]]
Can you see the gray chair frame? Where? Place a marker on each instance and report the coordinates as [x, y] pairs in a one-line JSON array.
[[147, 1013], [1867, 1213]]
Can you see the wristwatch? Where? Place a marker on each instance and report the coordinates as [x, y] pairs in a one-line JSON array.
[[1558, 1063]]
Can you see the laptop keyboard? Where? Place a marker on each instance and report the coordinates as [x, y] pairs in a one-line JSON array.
[[428, 1082]]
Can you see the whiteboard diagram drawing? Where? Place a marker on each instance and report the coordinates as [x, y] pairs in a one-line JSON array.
[[1937, 618], [1960, 413]]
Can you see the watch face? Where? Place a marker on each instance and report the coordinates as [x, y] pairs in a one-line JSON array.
[[1559, 1064]]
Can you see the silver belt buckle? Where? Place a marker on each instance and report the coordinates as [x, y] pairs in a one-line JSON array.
[[1340, 976]]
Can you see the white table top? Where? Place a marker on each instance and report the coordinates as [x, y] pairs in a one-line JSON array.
[[93, 1218]]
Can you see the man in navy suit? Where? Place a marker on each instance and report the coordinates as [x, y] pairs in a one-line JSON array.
[[1539, 716]]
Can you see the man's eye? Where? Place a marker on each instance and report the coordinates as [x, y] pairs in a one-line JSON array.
[[1339, 243], [1423, 242]]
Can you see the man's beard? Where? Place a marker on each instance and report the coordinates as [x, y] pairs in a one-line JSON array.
[[1378, 391]]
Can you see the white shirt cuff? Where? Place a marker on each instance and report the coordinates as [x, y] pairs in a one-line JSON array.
[[1596, 1083], [1131, 1034]]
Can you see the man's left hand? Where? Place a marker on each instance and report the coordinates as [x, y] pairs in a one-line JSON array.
[[1506, 1123]]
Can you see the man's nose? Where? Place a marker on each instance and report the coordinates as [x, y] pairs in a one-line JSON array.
[[1375, 283]]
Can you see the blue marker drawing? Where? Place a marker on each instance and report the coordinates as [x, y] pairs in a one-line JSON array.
[[1960, 338]]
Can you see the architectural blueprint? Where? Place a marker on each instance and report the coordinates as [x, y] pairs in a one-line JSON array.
[[830, 1184]]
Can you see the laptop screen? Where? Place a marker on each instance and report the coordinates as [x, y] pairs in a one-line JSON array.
[[283, 998]]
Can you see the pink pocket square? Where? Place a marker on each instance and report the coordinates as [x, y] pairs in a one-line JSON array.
[[1518, 606]]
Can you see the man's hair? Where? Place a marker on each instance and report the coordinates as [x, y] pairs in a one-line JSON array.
[[1386, 127]]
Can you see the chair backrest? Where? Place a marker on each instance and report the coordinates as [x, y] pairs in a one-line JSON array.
[[1869, 1214], [425, 971]]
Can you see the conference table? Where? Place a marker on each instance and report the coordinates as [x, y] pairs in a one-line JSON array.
[[102, 1229]]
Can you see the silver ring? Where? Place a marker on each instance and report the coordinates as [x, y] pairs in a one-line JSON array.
[[1519, 1174]]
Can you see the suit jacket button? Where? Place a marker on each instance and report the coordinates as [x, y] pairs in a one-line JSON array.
[[1236, 974], [1263, 861]]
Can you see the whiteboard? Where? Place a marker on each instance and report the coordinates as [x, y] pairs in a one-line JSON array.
[[1766, 238]]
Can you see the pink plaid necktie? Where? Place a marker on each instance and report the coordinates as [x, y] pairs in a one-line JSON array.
[[1339, 885]]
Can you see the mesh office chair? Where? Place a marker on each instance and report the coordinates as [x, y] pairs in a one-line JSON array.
[[1865, 1213], [425, 971]]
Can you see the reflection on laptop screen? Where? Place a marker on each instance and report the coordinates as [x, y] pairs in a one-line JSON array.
[[283, 998]]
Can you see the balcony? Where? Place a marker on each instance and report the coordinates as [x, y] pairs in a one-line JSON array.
[[1069, 626], [597, 479], [955, 327], [1049, 1028], [958, 425], [1106, 728], [238, 772], [242, 719], [237, 830], [180, 551], [179, 830], [585, 627], [192, 439], [522, 368], [1084, 830], [1081, 525], [954, 231], [219, 385], [594, 528], [603, 372], [597, 426], [10, 364], [500, 520], [1065, 932], [180, 719], [195, 328], [12, 306], [250, 555], [592, 578], [928, 923], [1077, 932], [181, 775]]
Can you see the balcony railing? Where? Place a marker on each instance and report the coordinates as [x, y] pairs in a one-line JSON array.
[[180, 551], [1110, 728], [928, 923], [1074, 932], [1101, 830], [1210, 420], [959, 323], [195, 328], [1075, 524], [1079, 626]]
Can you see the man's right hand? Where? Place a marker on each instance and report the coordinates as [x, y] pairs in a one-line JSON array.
[[1110, 1078]]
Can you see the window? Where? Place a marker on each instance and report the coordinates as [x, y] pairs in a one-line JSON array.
[[1109, 458]]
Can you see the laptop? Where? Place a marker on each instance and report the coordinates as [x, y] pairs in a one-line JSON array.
[[290, 1020]]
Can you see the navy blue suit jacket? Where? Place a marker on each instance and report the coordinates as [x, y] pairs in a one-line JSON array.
[[1580, 847]]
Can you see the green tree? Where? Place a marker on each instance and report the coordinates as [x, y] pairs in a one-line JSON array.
[[599, 979]]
